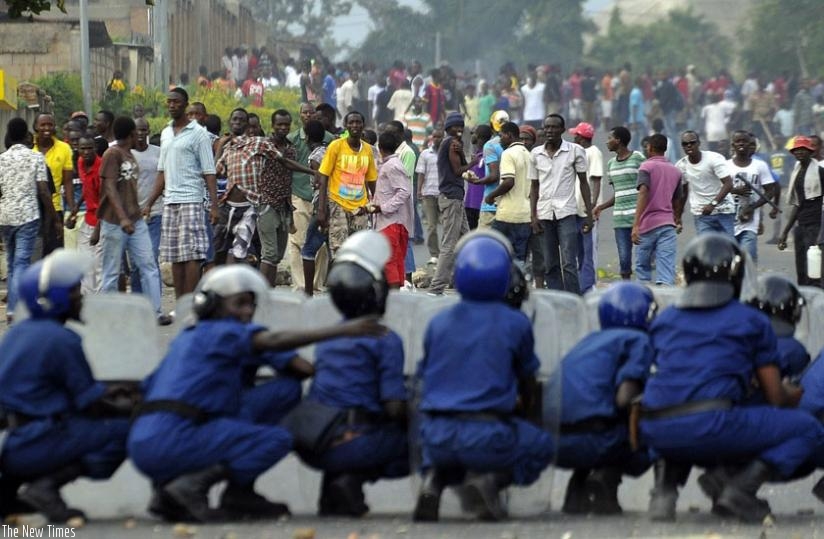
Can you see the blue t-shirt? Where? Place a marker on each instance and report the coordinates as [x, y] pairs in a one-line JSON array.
[[590, 374], [708, 353], [207, 366], [359, 372], [492, 154], [474, 353], [43, 370]]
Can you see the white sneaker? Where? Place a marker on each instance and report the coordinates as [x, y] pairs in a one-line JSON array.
[[407, 287], [433, 261]]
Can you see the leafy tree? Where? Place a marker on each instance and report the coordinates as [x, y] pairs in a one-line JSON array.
[[784, 37], [680, 39], [309, 19], [66, 92], [17, 8], [490, 31]]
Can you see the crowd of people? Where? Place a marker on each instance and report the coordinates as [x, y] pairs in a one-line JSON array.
[[334, 195]]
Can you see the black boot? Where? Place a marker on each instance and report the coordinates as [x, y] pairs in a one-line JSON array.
[[43, 494], [345, 492], [191, 491], [602, 489], [818, 490], [664, 495], [576, 500], [10, 504], [738, 496], [241, 501], [164, 507], [327, 505], [429, 498], [481, 493]]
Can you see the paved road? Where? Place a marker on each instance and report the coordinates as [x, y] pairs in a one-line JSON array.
[[798, 514]]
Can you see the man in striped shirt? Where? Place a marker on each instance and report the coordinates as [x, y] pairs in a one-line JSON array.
[[622, 173]]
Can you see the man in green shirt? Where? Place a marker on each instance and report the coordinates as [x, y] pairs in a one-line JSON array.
[[486, 102], [302, 202], [622, 173]]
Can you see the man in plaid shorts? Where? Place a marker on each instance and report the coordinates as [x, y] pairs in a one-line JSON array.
[[347, 167], [186, 160]]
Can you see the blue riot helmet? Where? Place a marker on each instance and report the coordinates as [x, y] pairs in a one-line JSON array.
[[627, 305], [777, 297], [714, 270], [223, 282], [46, 286], [483, 265], [356, 282]]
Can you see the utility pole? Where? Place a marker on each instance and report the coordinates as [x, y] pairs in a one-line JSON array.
[[85, 62], [438, 48], [160, 43]]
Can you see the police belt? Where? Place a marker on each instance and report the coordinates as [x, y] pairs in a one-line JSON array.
[[360, 416], [591, 424], [185, 410], [687, 408], [471, 416]]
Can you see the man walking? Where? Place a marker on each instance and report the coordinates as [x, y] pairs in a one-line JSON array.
[[23, 182], [707, 182], [186, 170]]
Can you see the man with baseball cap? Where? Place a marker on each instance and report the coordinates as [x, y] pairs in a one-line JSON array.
[[587, 243], [805, 199]]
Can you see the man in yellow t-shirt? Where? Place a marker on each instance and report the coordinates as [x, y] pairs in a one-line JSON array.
[[345, 172], [58, 156]]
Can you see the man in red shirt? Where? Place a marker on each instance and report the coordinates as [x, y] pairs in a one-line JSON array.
[[88, 168]]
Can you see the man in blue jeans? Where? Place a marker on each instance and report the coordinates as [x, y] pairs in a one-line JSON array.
[[554, 169], [658, 214], [122, 227], [706, 183], [147, 156], [23, 181]]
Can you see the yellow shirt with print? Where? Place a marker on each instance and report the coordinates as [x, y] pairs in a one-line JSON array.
[[58, 158], [348, 172]]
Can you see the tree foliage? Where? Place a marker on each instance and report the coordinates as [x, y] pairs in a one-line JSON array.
[[299, 18], [785, 37], [490, 31], [18, 8], [680, 39]]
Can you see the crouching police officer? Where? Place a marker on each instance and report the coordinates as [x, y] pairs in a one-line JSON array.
[[597, 380], [200, 424], [60, 422], [478, 359], [357, 400], [708, 347]]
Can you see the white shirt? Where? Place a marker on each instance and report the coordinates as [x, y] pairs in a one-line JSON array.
[[715, 121], [534, 109], [595, 167], [292, 77], [557, 176], [428, 166], [704, 179], [758, 174]]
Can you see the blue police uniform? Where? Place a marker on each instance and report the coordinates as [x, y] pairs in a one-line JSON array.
[[474, 353], [713, 353], [587, 380], [208, 367], [813, 398], [792, 356], [44, 375], [361, 373]]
